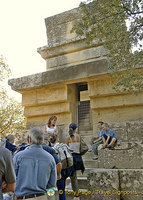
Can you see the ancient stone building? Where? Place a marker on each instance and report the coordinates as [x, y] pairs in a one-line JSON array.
[[77, 87]]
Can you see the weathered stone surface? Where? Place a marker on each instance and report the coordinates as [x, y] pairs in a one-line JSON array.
[[47, 109], [60, 75], [131, 183], [116, 101], [116, 184], [49, 52], [46, 95], [103, 183], [59, 27], [76, 57], [124, 157], [118, 115]]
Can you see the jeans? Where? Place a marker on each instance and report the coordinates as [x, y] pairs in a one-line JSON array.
[[95, 146], [61, 189], [65, 173]]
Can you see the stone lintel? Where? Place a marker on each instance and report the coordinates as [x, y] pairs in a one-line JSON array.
[[63, 74]]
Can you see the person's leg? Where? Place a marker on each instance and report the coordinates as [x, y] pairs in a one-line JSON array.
[[104, 138], [61, 189], [95, 147], [112, 142], [74, 183]]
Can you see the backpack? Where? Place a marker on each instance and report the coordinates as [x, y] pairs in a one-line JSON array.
[[64, 155], [3, 142], [22, 146]]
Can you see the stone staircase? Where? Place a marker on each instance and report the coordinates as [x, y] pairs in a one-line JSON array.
[[125, 158], [89, 165]]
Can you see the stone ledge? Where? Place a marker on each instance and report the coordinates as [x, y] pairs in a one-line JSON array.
[[62, 49], [64, 74], [130, 157]]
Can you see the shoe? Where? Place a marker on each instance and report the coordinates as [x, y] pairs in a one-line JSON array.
[[76, 198], [90, 150], [95, 158]]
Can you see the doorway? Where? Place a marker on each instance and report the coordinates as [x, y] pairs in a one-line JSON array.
[[84, 111]]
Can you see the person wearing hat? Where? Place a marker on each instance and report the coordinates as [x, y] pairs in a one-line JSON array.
[[73, 141]]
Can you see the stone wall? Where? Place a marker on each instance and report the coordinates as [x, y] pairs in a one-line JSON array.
[[113, 184], [113, 108]]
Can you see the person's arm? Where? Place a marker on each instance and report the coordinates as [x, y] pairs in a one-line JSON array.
[[9, 176], [105, 144], [53, 175], [58, 163], [7, 187], [59, 168], [97, 140], [56, 131], [67, 140]]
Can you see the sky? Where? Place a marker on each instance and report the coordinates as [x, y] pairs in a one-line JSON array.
[[22, 31]]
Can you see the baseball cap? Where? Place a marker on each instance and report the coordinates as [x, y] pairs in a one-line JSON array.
[[73, 126], [46, 137]]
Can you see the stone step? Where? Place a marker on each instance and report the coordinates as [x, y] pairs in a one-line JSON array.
[[88, 155], [82, 183], [87, 170], [84, 127], [89, 163], [87, 132]]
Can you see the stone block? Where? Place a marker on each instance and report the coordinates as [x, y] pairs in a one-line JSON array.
[[103, 183], [131, 184], [60, 75], [75, 57], [130, 157], [99, 87], [59, 27], [116, 101], [122, 184], [118, 114], [51, 109], [45, 95]]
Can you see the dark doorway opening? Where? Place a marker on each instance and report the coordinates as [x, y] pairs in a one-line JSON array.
[[84, 113]]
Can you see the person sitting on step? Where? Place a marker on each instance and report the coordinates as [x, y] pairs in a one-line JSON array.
[[109, 138]]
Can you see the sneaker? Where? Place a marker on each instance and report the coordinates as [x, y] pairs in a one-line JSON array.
[[95, 158], [76, 198]]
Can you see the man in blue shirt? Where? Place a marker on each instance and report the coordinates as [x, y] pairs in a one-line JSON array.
[[35, 169], [95, 142], [109, 138]]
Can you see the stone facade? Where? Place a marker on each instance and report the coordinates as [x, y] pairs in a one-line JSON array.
[[70, 61], [70, 64]]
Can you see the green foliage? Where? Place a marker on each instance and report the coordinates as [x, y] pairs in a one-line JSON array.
[[11, 111], [118, 25]]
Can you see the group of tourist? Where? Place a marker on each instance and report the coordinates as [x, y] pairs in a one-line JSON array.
[[44, 162]]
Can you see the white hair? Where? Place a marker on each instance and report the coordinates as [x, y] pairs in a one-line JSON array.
[[37, 135]]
